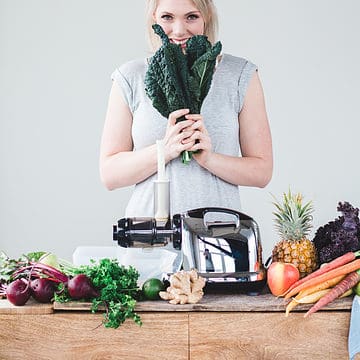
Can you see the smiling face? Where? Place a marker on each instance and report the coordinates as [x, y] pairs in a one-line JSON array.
[[180, 20]]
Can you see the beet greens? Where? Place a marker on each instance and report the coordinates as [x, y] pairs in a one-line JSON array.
[[106, 283]]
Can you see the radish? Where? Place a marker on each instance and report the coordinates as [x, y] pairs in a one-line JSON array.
[[18, 292], [81, 287], [42, 289]]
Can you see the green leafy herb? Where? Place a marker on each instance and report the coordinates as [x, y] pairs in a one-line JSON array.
[[35, 256], [118, 289], [8, 265], [176, 80]]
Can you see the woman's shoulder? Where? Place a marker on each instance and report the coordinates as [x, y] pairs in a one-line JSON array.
[[237, 61], [131, 67]]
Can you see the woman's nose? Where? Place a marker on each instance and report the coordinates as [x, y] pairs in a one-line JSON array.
[[179, 28]]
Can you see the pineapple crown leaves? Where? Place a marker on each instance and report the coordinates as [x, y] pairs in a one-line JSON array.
[[293, 220]]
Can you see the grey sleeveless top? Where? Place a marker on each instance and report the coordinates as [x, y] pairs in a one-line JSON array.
[[191, 186]]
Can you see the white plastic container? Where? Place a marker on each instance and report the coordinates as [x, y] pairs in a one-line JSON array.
[[150, 262]]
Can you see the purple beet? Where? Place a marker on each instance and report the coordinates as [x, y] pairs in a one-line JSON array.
[[18, 292], [42, 290], [81, 287]]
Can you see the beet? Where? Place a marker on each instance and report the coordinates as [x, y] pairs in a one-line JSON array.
[[18, 292], [81, 287], [42, 290]]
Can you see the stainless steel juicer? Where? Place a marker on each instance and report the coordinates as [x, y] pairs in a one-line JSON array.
[[222, 244]]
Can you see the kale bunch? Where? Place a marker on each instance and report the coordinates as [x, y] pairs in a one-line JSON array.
[[339, 236], [176, 80]]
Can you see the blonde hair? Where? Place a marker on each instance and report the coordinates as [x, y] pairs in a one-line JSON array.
[[207, 10]]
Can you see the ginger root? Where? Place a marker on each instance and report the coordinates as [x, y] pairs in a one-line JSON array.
[[186, 287]]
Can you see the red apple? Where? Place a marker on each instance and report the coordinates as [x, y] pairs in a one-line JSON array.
[[280, 276]]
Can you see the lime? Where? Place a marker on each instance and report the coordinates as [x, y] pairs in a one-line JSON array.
[[357, 289], [152, 287]]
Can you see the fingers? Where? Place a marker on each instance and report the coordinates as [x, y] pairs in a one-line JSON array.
[[176, 127], [198, 138], [176, 144], [177, 114], [198, 123], [189, 134], [176, 132], [196, 133], [194, 117]]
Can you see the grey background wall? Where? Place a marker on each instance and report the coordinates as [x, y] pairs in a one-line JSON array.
[[56, 58]]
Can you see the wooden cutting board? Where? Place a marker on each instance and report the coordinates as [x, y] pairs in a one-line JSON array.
[[30, 308], [74, 306], [216, 302]]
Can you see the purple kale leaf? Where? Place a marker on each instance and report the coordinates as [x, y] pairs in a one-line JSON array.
[[339, 236]]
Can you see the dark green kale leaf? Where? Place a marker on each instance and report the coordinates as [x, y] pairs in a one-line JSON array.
[[196, 46], [167, 78], [201, 75], [175, 80]]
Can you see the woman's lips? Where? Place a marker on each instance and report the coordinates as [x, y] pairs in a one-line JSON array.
[[182, 43]]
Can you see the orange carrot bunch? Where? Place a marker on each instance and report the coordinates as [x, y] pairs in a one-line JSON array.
[[337, 277]]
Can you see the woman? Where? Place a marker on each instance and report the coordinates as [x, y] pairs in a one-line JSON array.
[[233, 121]]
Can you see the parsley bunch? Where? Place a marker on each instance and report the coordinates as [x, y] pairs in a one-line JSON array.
[[118, 289]]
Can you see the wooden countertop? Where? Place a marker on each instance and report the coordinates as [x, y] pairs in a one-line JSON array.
[[231, 326], [209, 303]]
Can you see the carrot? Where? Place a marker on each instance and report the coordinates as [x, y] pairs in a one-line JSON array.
[[344, 285], [341, 270], [324, 285], [312, 298], [290, 306], [294, 302], [302, 298], [339, 261], [347, 293]]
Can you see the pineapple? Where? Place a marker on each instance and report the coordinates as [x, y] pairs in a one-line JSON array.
[[293, 222]]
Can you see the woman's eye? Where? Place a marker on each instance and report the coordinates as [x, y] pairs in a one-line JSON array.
[[193, 17], [166, 17]]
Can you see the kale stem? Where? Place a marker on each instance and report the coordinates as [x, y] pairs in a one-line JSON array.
[[186, 157]]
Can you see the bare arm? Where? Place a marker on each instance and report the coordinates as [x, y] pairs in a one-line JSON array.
[[254, 168], [121, 166]]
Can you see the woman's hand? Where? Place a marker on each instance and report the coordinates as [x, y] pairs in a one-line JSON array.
[[200, 139], [178, 134], [189, 134]]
